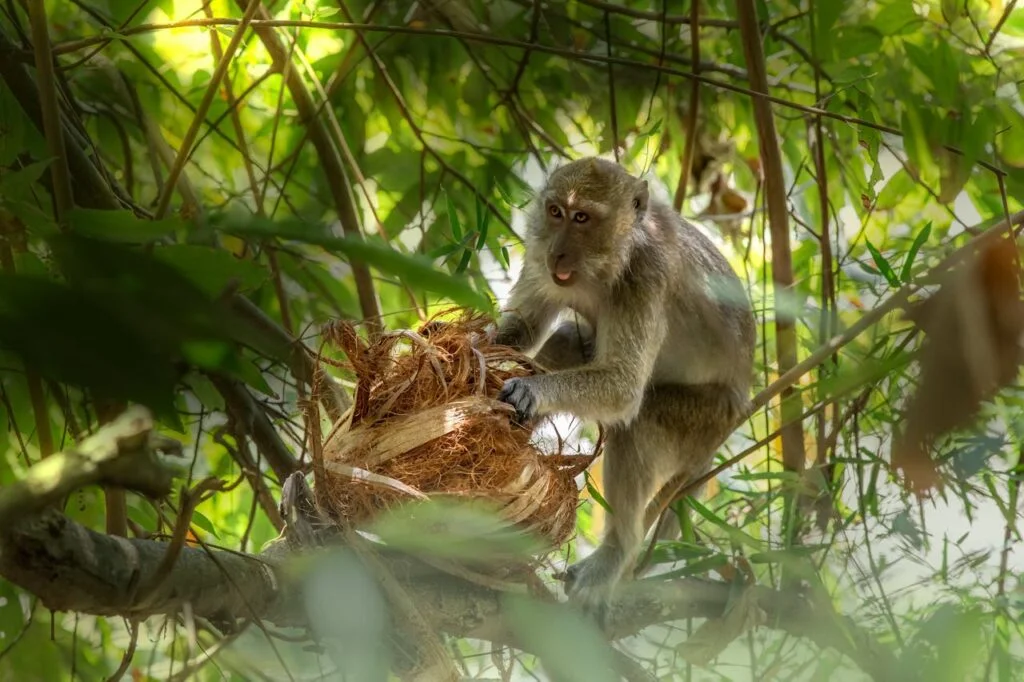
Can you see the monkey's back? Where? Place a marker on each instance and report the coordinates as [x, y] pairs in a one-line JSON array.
[[711, 328]]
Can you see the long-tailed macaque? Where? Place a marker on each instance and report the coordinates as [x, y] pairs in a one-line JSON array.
[[660, 352]]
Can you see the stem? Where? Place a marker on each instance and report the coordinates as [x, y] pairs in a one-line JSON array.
[[52, 128], [778, 223], [691, 113]]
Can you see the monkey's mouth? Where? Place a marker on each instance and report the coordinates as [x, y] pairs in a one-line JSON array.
[[563, 279]]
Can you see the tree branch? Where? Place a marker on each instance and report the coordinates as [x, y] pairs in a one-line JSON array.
[[73, 568], [120, 454], [782, 259]]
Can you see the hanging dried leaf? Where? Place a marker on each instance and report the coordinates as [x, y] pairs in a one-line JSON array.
[[973, 328]]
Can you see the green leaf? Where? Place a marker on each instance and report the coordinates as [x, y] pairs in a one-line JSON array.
[[775, 556], [121, 226], [897, 17], [251, 375], [104, 354], [782, 476], [212, 269], [19, 183], [454, 529], [699, 567], [467, 256], [882, 264], [142, 513], [734, 534], [670, 552], [826, 13], [414, 269], [483, 221], [595, 493], [919, 241], [36, 222], [202, 522], [453, 218], [11, 616], [895, 190], [205, 391]]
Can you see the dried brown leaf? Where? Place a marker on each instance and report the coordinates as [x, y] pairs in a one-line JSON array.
[[973, 327]]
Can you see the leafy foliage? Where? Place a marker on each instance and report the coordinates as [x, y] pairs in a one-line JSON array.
[[443, 116]]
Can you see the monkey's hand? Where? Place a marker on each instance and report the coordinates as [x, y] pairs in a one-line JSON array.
[[520, 393], [589, 584]]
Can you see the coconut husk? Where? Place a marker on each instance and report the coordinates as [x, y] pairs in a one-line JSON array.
[[426, 422]]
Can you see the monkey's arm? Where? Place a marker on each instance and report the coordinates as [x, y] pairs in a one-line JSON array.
[[528, 315], [611, 388]]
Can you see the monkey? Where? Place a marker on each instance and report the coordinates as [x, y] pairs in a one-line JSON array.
[[660, 353]]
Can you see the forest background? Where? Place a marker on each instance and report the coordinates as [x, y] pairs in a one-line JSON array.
[[191, 193]]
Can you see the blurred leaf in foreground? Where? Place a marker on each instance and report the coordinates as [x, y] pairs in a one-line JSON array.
[[973, 326], [570, 647], [349, 614], [456, 530]]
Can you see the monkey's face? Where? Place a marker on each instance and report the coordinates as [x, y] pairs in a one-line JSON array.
[[584, 221]]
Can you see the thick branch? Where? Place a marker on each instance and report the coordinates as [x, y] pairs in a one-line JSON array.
[[119, 455], [71, 568]]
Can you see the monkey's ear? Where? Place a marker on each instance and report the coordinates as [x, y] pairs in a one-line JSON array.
[[640, 197]]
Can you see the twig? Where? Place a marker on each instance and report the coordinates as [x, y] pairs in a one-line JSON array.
[[190, 499], [999, 25], [129, 654], [328, 153], [115, 498], [403, 108], [58, 560], [236, 120], [782, 258], [611, 85], [568, 53], [671, 19], [185, 150], [12, 238], [302, 365], [52, 128], [691, 113], [827, 324], [254, 422]]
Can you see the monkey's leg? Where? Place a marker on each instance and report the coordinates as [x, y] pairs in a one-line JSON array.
[[570, 345], [676, 434], [629, 484]]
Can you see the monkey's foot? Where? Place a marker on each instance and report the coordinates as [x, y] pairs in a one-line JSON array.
[[519, 393], [590, 583]]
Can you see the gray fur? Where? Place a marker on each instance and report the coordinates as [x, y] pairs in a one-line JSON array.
[[663, 358]]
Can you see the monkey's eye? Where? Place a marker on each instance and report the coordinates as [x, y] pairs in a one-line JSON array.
[[581, 217], [555, 211]]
